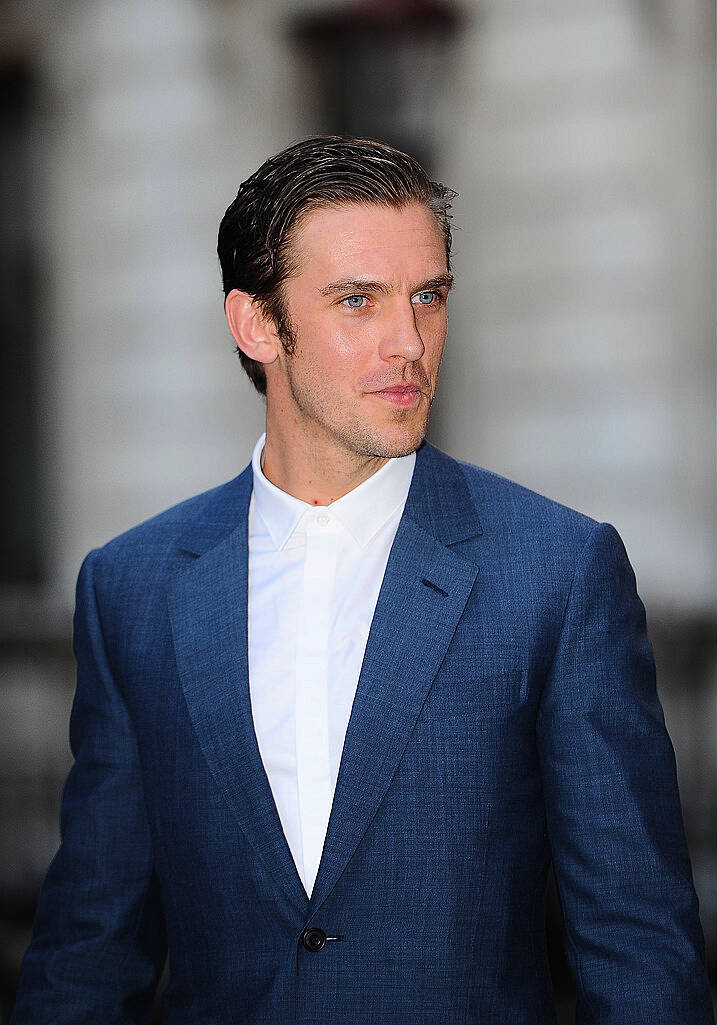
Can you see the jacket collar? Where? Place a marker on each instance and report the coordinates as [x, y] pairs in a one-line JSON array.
[[439, 502]]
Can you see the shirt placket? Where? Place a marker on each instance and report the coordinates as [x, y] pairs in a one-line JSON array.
[[312, 686]]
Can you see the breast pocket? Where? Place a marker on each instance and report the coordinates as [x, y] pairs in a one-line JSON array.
[[476, 695], [476, 734]]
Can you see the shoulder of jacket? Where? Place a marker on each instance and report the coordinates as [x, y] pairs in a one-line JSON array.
[[505, 504], [217, 506]]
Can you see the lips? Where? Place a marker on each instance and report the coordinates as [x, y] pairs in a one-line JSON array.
[[400, 394], [401, 389]]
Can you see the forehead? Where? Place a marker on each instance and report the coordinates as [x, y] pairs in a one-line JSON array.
[[368, 238]]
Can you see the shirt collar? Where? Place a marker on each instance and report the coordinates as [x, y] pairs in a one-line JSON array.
[[362, 511]]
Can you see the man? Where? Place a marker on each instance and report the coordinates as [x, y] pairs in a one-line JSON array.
[[335, 718]]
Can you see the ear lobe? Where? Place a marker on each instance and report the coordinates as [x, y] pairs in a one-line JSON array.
[[253, 332]]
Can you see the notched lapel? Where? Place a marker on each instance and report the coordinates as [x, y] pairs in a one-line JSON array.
[[208, 613], [424, 592]]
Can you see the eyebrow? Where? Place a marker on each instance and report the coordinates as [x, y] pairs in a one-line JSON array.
[[381, 287]]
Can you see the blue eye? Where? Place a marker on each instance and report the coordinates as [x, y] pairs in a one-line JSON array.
[[355, 301], [426, 298]]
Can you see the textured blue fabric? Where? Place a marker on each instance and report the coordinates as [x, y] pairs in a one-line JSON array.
[[506, 713]]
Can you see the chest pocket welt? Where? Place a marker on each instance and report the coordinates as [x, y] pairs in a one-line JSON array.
[[478, 694]]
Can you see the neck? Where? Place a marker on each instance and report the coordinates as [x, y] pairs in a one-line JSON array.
[[314, 473]]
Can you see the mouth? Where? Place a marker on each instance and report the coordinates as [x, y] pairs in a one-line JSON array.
[[403, 395]]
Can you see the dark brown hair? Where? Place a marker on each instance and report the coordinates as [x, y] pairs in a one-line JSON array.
[[256, 231]]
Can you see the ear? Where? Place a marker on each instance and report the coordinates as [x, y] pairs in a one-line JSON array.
[[252, 330]]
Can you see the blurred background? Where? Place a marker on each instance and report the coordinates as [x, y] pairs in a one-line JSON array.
[[580, 137]]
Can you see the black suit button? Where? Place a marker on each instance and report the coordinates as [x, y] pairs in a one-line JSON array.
[[314, 939]]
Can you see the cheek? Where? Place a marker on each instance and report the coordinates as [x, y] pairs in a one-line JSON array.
[[347, 348], [434, 339], [343, 350], [331, 361]]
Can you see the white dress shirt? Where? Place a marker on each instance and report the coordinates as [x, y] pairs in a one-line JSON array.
[[314, 577]]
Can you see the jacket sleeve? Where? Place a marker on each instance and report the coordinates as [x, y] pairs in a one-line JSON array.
[[632, 933], [99, 940]]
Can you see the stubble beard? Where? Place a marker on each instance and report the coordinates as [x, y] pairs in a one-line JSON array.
[[359, 437]]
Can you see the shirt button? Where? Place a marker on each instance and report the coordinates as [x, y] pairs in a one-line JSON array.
[[314, 939], [323, 520]]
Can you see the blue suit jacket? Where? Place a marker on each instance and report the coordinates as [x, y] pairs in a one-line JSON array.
[[505, 714]]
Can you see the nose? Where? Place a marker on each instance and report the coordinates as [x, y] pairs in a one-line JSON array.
[[401, 336]]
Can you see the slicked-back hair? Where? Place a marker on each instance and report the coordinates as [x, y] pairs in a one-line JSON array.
[[257, 230]]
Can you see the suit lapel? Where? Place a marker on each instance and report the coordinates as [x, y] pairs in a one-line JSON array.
[[424, 591], [423, 594], [208, 612]]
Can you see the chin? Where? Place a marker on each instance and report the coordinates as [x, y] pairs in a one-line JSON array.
[[392, 444], [397, 450]]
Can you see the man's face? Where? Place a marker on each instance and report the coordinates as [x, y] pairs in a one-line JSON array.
[[367, 307]]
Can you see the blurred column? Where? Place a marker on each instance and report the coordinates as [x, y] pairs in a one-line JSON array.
[[581, 358], [142, 390]]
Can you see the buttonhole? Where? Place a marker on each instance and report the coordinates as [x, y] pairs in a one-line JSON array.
[[434, 587]]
